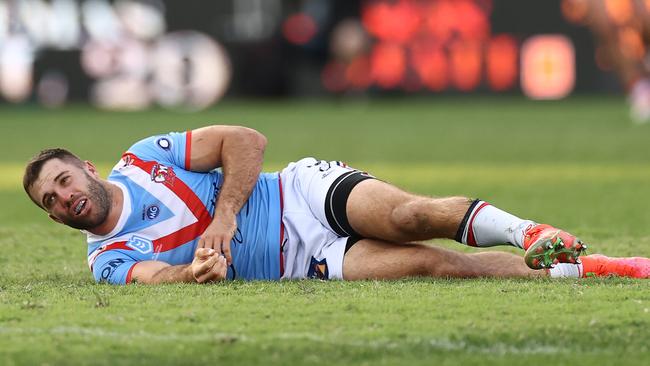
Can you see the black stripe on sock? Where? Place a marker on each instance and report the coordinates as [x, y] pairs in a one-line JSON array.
[[461, 228]]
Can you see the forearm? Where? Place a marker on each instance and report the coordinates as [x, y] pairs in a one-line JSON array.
[[242, 158], [151, 272]]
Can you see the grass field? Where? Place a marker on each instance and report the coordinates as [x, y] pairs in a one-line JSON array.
[[579, 164]]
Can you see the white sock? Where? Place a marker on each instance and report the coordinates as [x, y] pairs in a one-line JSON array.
[[485, 225], [566, 270]]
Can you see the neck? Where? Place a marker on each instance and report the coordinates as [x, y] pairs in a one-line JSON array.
[[117, 203]]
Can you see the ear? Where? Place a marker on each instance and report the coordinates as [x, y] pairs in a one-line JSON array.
[[55, 219], [91, 168]]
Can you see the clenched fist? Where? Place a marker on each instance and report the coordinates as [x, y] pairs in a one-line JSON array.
[[208, 266]]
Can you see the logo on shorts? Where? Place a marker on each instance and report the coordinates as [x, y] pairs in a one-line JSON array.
[[318, 269], [151, 212], [142, 245], [164, 143], [163, 174]]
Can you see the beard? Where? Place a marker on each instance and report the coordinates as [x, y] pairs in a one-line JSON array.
[[101, 200]]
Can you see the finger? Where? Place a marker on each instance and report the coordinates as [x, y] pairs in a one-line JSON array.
[[204, 253], [207, 242], [206, 266], [220, 268], [225, 249], [201, 243], [223, 274], [206, 277]]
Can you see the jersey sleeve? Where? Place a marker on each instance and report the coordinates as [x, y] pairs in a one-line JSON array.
[[114, 267], [173, 148]]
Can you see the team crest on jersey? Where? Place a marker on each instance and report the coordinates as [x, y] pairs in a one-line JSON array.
[[142, 245], [163, 174], [318, 269]]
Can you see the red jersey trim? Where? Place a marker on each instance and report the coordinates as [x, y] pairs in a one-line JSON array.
[[188, 150], [128, 274], [116, 245]]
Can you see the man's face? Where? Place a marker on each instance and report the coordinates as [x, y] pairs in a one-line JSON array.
[[72, 195]]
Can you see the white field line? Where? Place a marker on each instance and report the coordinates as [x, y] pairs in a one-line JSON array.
[[497, 348]]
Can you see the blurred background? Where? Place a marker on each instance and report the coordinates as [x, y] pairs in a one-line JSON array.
[[132, 55]]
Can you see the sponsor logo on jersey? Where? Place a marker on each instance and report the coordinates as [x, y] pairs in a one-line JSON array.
[[163, 174], [142, 245], [318, 269], [164, 143], [151, 212], [110, 267]]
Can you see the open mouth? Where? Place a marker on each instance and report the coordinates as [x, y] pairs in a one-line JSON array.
[[80, 206]]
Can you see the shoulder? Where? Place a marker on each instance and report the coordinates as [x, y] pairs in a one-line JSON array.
[[171, 148]]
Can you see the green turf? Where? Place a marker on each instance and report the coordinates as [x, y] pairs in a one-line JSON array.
[[579, 164]]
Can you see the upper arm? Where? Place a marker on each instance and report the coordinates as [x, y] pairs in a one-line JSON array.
[[199, 150], [113, 267], [207, 144]]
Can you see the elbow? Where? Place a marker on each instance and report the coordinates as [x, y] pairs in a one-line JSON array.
[[255, 138]]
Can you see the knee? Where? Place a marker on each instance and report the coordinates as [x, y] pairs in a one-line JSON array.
[[411, 217]]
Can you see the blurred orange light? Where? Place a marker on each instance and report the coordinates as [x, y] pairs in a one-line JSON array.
[[446, 18], [358, 73], [631, 43], [441, 19], [391, 21], [502, 62], [430, 64], [547, 67], [473, 23], [388, 64], [333, 77], [465, 59], [299, 28], [619, 11], [575, 11]]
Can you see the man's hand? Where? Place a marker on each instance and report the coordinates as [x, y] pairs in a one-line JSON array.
[[208, 265], [219, 233]]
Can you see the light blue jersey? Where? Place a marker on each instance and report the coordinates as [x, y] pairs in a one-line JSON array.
[[167, 207]]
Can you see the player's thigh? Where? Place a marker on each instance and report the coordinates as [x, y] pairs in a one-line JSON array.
[[377, 259]]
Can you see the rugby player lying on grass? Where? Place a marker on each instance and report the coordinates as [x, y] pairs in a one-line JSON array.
[[166, 215]]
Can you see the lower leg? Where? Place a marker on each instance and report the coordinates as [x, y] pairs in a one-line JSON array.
[[374, 259], [376, 209], [502, 264]]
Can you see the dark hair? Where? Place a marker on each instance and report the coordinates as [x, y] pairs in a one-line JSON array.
[[33, 168]]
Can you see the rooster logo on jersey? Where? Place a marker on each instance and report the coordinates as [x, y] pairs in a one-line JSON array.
[[163, 174]]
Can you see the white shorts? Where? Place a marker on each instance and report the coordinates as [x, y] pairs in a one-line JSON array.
[[316, 228]]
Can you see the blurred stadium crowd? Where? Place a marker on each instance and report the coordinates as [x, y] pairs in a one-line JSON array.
[[133, 54]]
